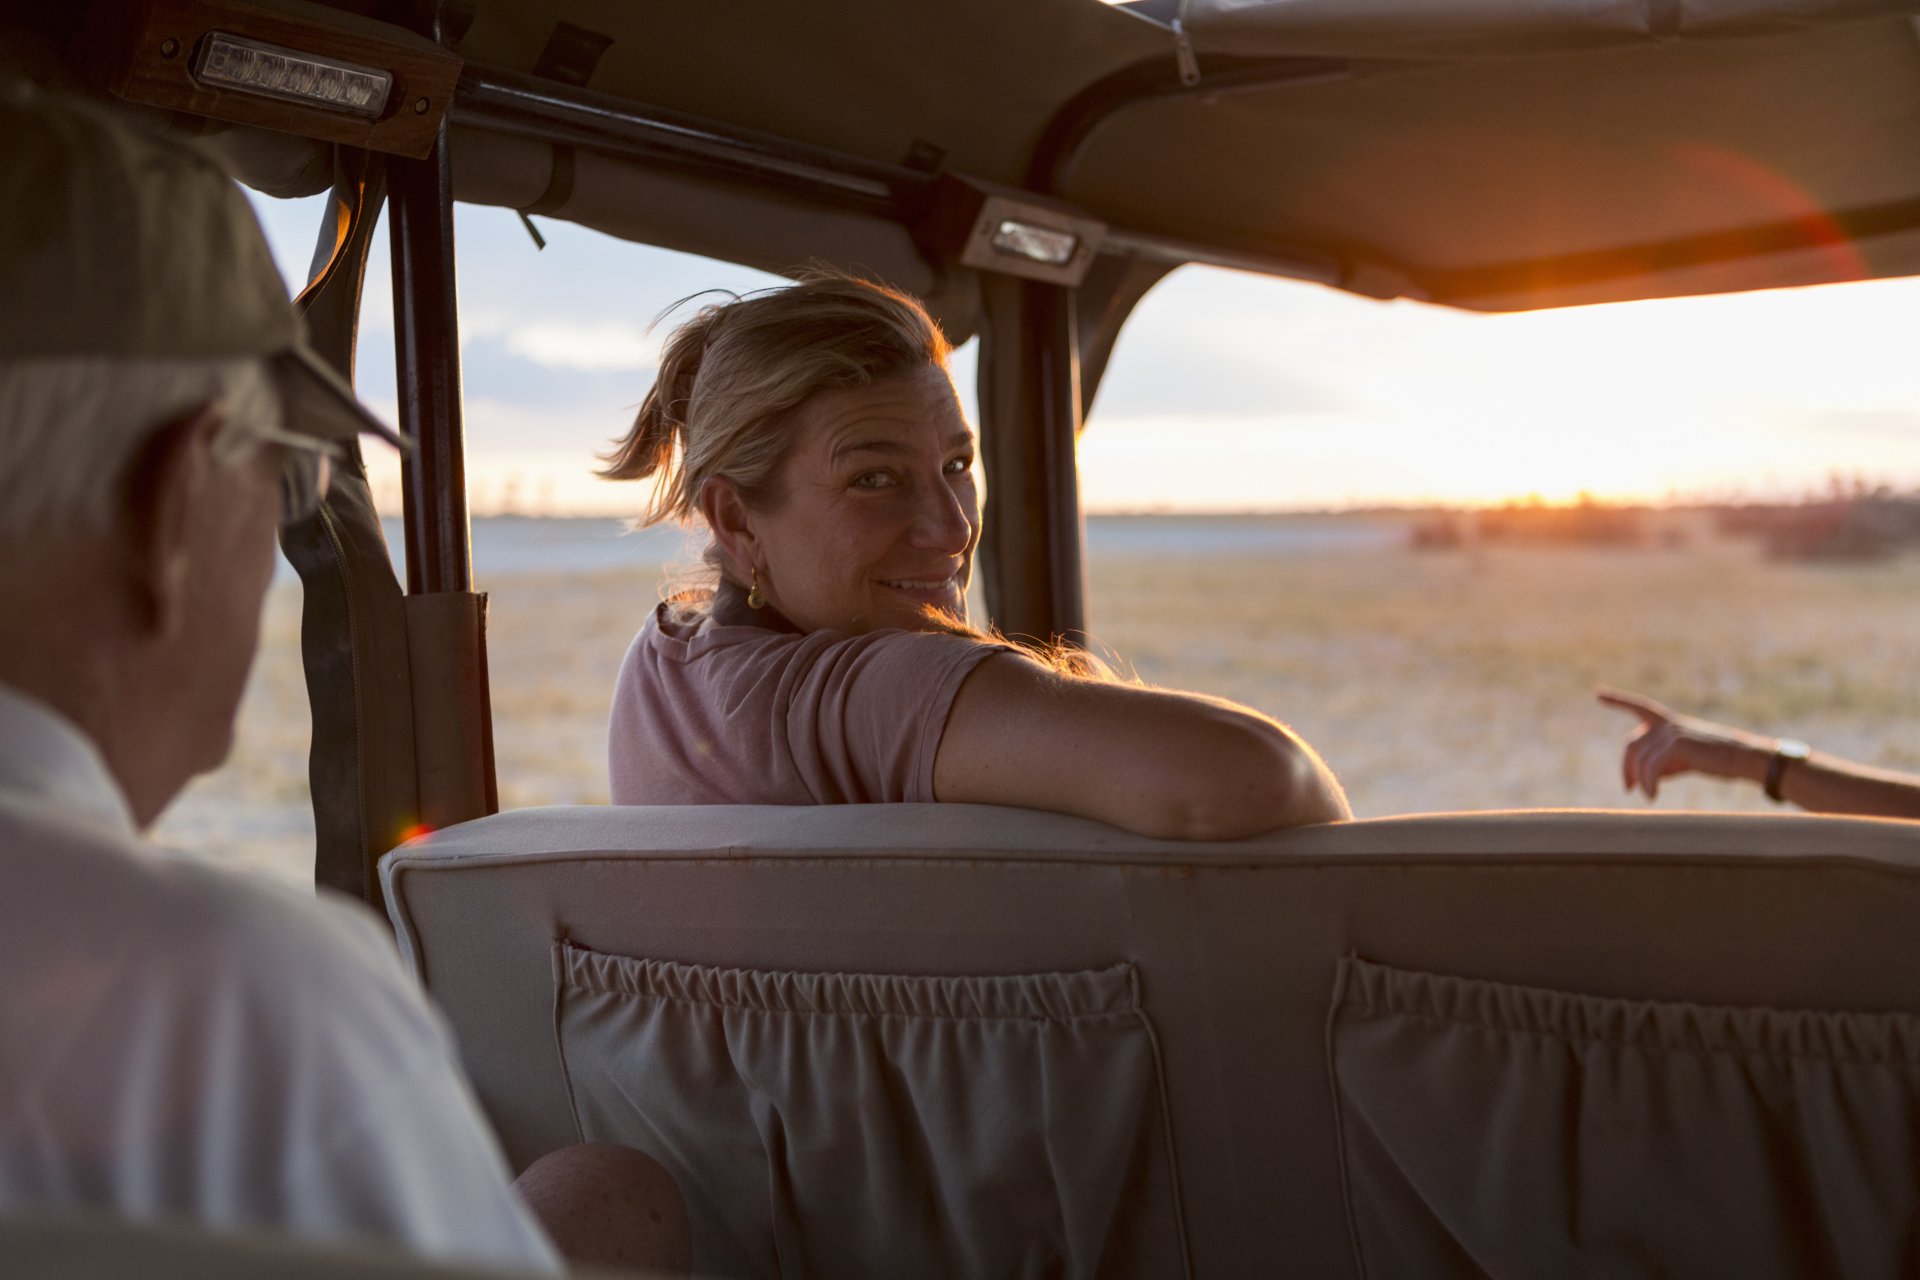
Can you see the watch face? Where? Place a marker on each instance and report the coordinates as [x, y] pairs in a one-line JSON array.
[[1792, 749]]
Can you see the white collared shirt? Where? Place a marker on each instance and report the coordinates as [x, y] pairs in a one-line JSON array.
[[182, 1041]]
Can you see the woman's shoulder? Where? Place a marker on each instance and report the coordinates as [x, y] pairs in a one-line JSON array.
[[699, 643], [681, 646]]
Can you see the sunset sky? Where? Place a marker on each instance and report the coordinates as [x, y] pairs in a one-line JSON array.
[[1238, 392]]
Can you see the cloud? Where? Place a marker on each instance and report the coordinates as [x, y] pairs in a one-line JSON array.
[[576, 344], [606, 346]]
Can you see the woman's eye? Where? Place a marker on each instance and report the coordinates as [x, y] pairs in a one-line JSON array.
[[872, 480], [959, 466]]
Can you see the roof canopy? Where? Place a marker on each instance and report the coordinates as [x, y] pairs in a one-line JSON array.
[[1495, 154], [1638, 148]]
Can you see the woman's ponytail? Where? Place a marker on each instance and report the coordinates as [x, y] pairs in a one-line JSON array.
[[654, 447]]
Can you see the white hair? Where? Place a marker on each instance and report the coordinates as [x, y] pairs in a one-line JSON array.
[[70, 427]]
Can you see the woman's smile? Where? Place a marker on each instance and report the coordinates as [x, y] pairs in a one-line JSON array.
[[924, 586], [948, 594]]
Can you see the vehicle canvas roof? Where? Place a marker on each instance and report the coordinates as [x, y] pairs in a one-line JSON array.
[[1493, 154], [1524, 154]]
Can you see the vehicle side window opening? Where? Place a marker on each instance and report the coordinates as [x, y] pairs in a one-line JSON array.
[[1705, 499], [1422, 536]]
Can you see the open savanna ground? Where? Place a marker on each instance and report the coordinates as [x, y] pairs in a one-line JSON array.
[[1458, 679], [1464, 680]]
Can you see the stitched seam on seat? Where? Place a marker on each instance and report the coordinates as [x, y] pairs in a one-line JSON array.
[[1341, 978], [634, 978], [1654, 1046], [1166, 1126], [560, 946]]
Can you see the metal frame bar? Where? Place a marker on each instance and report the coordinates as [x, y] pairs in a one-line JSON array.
[[1066, 134], [426, 338], [1032, 546], [445, 621], [531, 107]]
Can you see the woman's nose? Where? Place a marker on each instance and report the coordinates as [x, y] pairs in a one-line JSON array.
[[945, 519]]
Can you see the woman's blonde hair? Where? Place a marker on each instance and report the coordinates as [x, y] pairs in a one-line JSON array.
[[731, 377]]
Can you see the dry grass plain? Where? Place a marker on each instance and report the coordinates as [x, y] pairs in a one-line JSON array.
[[1456, 679]]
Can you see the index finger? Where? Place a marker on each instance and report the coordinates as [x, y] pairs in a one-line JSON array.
[[1646, 708]]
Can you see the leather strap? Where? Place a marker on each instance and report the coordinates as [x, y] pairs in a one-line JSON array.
[[1785, 753]]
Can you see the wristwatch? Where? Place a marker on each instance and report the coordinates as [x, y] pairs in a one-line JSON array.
[[1785, 752]]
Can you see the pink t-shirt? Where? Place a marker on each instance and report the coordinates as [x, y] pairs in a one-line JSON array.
[[713, 712]]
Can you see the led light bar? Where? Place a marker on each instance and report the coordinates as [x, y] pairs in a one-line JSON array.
[[1048, 245], [248, 66]]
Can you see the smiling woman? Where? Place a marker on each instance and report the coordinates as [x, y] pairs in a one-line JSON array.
[[816, 433], [875, 518]]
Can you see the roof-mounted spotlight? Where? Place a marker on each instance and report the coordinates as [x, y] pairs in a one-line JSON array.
[[1005, 229], [1048, 246], [231, 62], [298, 67]]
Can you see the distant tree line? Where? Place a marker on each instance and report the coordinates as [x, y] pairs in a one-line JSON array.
[[1856, 521], [1852, 521]]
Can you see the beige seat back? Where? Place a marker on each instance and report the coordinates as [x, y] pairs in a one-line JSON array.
[[1445, 1045]]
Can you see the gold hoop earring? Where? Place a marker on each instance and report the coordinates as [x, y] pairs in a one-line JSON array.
[[756, 600]]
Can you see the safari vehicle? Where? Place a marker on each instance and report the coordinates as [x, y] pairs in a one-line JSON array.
[[954, 1040]]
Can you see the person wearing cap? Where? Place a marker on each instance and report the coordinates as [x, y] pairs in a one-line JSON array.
[[178, 1040], [1665, 744]]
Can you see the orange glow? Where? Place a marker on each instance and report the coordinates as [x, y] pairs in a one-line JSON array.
[[1730, 205], [1778, 200], [418, 831]]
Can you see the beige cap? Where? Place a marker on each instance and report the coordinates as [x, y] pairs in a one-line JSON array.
[[120, 241]]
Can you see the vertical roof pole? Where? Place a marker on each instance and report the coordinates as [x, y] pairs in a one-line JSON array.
[[1031, 552], [427, 357], [446, 621]]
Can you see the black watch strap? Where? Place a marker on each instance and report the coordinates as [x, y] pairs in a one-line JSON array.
[[1785, 752]]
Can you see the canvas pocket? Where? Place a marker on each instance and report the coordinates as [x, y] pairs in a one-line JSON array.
[[1506, 1131], [841, 1124]]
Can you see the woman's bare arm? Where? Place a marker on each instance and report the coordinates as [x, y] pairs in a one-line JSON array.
[[1667, 744], [1178, 766]]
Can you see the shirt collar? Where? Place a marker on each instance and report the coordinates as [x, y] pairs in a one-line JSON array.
[[45, 757]]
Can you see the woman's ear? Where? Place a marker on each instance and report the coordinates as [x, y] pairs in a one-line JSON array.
[[168, 480], [731, 521]]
